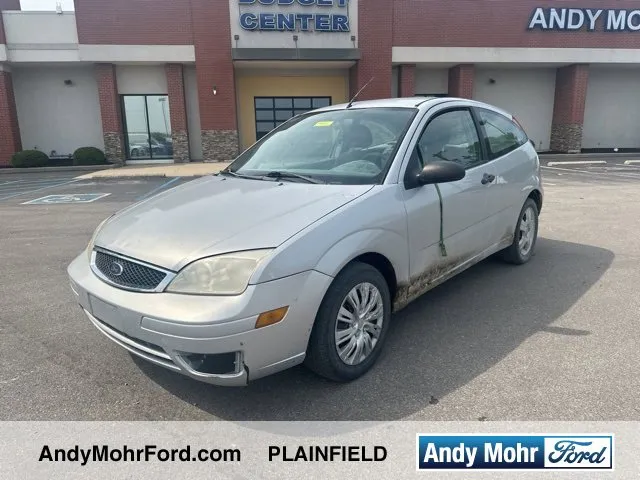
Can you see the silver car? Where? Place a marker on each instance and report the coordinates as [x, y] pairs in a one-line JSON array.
[[302, 248]]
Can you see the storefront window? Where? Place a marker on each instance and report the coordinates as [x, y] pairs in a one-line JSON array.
[[273, 111], [147, 126]]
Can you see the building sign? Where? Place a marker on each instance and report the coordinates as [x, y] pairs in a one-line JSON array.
[[591, 19], [296, 15]]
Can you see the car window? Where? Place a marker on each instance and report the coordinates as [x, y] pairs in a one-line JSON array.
[[350, 146], [451, 136], [380, 133], [503, 135]]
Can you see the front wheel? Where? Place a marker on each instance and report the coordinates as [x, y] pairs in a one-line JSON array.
[[351, 324], [526, 234]]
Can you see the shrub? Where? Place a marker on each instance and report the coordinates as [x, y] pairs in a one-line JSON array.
[[89, 156], [29, 158]]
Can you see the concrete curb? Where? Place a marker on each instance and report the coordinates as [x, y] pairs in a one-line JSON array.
[[79, 168], [193, 170]]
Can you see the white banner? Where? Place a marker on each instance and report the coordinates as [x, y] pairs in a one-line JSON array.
[[282, 450]]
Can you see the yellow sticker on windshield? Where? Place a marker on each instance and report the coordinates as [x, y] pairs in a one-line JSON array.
[[324, 123]]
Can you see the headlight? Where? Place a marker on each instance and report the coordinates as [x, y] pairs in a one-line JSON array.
[[93, 237], [226, 274]]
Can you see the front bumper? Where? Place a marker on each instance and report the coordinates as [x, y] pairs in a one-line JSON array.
[[169, 329]]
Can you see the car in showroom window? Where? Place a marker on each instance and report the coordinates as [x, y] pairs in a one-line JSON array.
[[353, 146], [302, 249]]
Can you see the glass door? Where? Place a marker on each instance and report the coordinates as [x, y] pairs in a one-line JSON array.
[[159, 126], [147, 127]]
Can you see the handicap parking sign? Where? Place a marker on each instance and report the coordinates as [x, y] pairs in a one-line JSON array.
[[67, 198]]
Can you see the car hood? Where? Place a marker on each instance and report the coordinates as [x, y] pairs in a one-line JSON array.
[[214, 215]]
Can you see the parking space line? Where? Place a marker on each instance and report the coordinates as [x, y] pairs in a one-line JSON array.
[[633, 169], [578, 162], [625, 173], [40, 181], [568, 170], [592, 173], [32, 183], [27, 192], [631, 162], [19, 186], [159, 188]]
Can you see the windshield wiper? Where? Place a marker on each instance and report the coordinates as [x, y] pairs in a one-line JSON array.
[[278, 174], [238, 175]]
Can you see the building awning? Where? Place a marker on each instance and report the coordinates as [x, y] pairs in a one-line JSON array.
[[314, 54]]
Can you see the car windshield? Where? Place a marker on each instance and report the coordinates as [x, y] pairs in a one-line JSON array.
[[352, 146]]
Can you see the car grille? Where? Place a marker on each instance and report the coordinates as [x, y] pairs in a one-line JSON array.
[[128, 274]]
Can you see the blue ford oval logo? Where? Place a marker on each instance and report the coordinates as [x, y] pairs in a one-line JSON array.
[[116, 269]]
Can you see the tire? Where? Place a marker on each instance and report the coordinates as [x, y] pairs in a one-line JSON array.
[[517, 254], [323, 353]]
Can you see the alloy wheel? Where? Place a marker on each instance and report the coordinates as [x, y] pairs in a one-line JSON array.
[[527, 231], [359, 323]]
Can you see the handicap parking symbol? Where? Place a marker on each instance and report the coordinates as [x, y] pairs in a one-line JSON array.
[[67, 198]]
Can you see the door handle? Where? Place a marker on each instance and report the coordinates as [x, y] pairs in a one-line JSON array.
[[488, 178]]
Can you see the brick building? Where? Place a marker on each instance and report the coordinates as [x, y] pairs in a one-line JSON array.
[[180, 80]]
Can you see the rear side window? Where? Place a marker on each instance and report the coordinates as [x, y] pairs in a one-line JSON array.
[[503, 134]]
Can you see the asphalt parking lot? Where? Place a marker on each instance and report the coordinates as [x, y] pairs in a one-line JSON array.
[[21, 188], [556, 339]]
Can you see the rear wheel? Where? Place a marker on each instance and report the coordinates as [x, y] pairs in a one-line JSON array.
[[351, 324], [526, 234]]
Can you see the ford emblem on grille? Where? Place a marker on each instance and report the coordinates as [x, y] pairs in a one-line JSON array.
[[128, 274], [116, 268]]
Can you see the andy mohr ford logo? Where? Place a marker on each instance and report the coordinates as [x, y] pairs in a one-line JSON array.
[[514, 452]]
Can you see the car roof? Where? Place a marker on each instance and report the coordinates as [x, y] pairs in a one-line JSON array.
[[403, 102], [411, 102]]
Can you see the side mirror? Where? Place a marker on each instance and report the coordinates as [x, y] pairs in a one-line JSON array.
[[441, 172]]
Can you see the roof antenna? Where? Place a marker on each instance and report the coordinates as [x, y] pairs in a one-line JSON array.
[[359, 92]]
